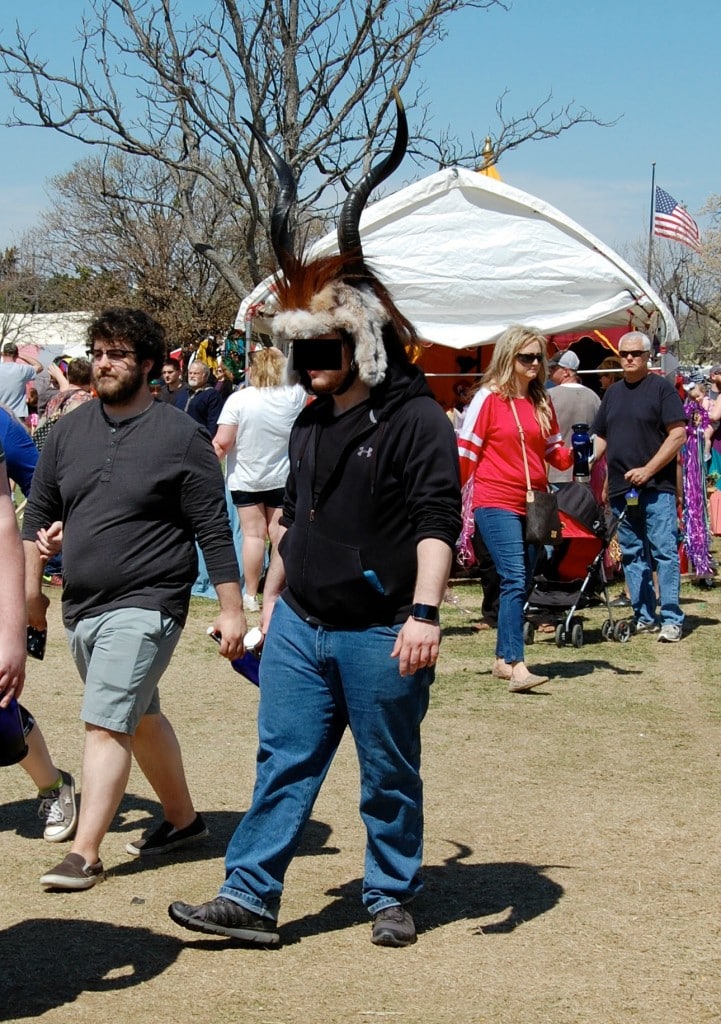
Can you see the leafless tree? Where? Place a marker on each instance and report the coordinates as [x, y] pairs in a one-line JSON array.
[[314, 75], [681, 277], [136, 250]]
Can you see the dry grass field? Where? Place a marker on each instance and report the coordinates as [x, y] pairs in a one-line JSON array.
[[572, 852]]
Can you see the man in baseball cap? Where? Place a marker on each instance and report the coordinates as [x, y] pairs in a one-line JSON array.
[[559, 366]]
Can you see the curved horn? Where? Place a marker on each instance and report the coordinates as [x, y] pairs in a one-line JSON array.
[[280, 236], [349, 222]]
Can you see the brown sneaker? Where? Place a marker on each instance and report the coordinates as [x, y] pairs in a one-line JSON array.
[[393, 926], [73, 873]]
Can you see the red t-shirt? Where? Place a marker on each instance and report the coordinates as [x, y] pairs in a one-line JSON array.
[[489, 446]]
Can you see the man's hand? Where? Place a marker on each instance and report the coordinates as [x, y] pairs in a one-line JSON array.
[[12, 668], [50, 542], [37, 606], [416, 646], [232, 627], [230, 622], [638, 476]]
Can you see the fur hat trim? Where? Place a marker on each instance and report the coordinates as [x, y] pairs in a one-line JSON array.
[[356, 310]]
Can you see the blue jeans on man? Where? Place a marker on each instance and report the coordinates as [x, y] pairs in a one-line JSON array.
[[315, 681], [648, 537]]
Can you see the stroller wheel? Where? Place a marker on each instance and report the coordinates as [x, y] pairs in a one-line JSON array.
[[622, 632], [560, 635], [577, 634], [529, 633], [607, 629]]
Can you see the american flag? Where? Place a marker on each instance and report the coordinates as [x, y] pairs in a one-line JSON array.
[[671, 221]]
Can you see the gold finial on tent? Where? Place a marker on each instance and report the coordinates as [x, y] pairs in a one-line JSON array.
[[489, 166]]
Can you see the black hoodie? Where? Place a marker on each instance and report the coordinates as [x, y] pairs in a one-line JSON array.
[[350, 553]]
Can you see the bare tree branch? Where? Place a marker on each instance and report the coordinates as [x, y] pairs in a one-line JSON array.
[[313, 75]]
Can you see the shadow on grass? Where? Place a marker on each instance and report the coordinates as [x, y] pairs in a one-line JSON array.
[[456, 890], [21, 817], [48, 963]]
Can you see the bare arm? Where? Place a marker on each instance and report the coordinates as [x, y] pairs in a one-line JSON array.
[[36, 601], [418, 643], [230, 620], [274, 582], [59, 377], [224, 439], [675, 440], [36, 365], [12, 604]]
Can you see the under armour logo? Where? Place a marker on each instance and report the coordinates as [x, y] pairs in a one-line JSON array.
[[364, 451]]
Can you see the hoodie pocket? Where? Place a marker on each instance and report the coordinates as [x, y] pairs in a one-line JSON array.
[[332, 581]]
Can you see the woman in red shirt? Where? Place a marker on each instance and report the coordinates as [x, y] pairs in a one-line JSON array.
[[490, 452]]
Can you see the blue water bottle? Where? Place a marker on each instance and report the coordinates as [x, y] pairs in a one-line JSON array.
[[13, 747], [581, 445], [248, 665]]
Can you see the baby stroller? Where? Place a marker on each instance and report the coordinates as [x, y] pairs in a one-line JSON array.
[[573, 576]]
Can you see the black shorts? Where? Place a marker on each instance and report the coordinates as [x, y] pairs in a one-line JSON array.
[[271, 499]]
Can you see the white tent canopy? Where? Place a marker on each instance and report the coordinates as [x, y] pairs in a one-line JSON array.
[[51, 334], [464, 256]]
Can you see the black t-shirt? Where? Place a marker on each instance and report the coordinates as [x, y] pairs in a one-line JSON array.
[[634, 419]]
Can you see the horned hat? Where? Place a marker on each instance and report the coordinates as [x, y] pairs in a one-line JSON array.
[[339, 292]]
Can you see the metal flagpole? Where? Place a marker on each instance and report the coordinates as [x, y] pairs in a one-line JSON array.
[[649, 264]]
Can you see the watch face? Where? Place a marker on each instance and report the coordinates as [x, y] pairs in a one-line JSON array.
[[425, 612]]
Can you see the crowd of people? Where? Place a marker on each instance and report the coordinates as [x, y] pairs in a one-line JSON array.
[[344, 466], [338, 458]]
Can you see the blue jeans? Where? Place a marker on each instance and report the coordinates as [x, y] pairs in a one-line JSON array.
[[313, 683], [649, 541], [503, 533]]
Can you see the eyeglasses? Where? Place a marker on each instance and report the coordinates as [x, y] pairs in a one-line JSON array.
[[529, 358], [635, 354], [115, 355]]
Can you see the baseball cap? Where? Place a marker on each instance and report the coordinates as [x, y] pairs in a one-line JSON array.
[[693, 380], [569, 360], [715, 369]]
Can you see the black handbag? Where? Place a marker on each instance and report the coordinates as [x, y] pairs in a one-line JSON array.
[[543, 523]]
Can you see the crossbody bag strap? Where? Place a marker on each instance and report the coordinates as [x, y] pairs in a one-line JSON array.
[[529, 489]]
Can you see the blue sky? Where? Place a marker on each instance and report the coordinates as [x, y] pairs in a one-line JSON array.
[[653, 65]]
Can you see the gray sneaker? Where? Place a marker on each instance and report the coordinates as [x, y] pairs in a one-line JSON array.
[[224, 917], [73, 874], [670, 633], [393, 926], [59, 811], [645, 627]]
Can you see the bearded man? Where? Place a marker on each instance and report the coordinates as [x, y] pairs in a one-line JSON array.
[[130, 483]]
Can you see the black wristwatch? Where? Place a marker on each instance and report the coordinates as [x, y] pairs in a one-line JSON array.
[[425, 613]]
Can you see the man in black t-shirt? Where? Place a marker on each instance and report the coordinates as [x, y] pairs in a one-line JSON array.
[[640, 427]]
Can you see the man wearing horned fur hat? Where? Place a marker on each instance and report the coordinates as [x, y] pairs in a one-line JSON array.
[[350, 609]]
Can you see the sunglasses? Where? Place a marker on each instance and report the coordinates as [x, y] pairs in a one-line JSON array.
[[529, 358], [635, 354]]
